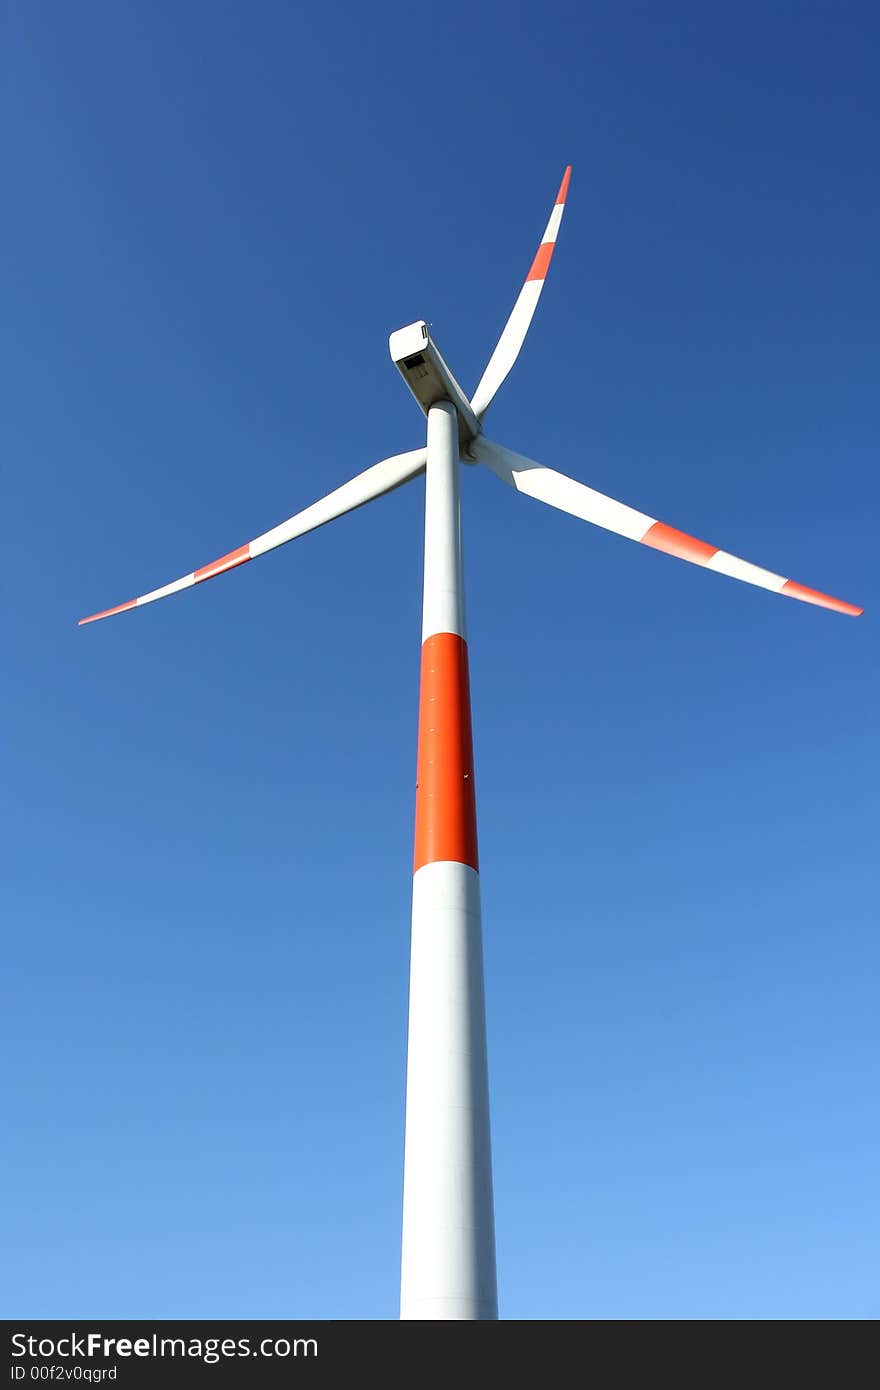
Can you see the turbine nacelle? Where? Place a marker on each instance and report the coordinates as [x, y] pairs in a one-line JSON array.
[[423, 368]]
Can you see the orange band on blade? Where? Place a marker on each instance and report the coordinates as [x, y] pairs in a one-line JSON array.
[[822, 600], [108, 612], [679, 543], [226, 562], [541, 263], [446, 813], [563, 187]]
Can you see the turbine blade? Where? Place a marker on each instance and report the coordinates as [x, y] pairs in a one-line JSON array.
[[578, 500], [373, 482], [517, 326]]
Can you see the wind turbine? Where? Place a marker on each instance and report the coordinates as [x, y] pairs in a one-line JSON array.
[[448, 1249]]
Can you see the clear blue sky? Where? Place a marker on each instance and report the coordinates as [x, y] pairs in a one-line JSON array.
[[216, 214]]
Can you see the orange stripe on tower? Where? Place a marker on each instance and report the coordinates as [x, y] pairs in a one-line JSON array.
[[226, 562], [541, 263], [822, 600], [446, 813], [679, 543]]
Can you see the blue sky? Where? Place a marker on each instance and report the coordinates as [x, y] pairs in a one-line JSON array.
[[218, 214]]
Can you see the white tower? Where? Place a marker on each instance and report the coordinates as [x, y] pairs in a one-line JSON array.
[[448, 1259]]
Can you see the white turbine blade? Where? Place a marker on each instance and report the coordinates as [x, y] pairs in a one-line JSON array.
[[373, 482], [517, 326], [578, 500]]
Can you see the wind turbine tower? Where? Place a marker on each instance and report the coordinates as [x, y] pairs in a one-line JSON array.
[[448, 1250]]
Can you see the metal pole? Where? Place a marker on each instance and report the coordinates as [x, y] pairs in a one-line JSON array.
[[448, 1258]]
